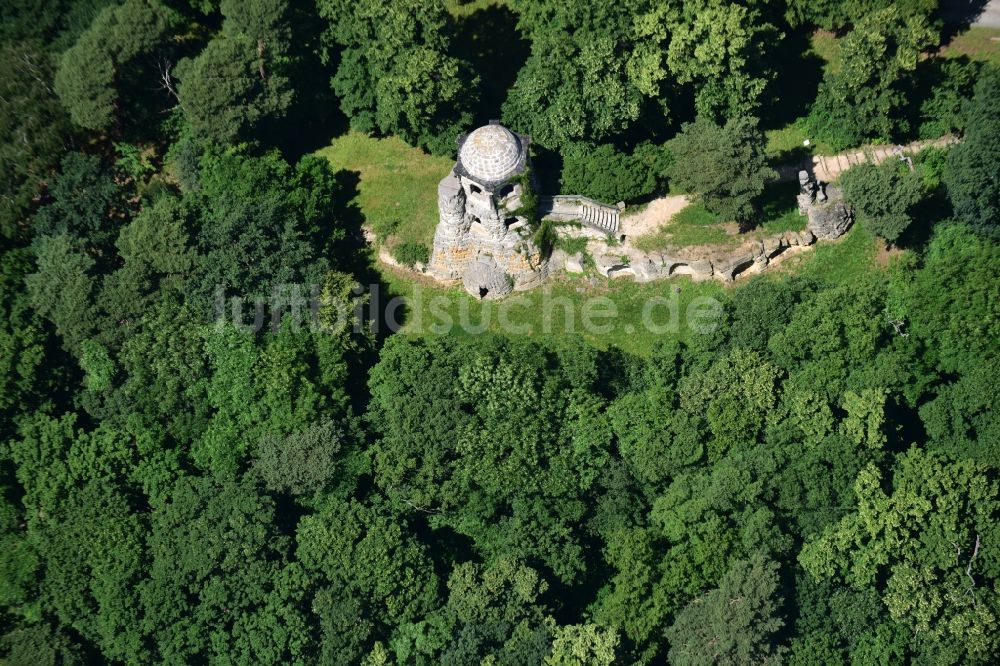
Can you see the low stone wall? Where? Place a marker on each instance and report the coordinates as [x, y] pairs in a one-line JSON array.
[[622, 261]]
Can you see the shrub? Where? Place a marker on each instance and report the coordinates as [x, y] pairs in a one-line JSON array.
[[410, 254], [383, 227], [545, 237]]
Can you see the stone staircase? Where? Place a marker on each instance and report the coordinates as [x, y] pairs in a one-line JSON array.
[[603, 217], [592, 213]]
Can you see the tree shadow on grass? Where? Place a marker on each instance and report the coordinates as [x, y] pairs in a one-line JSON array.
[[354, 255], [489, 41], [958, 16]]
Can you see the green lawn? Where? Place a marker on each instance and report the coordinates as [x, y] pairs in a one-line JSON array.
[[785, 144], [695, 225], [542, 312], [840, 261], [780, 210], [826, 45], [555, 310], [976, 43], [398, 184]]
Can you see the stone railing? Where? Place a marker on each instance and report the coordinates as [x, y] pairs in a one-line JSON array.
[[569, 207]]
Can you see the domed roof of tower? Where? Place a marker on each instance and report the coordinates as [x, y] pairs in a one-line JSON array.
[[492, 154]]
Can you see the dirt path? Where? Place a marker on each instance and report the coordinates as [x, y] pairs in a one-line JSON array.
[[828, 167], [656, 213]]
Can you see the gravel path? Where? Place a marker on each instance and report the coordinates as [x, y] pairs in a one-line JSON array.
[[656, 213]]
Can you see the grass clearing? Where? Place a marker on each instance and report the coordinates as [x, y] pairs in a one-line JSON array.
[[838, 262], [786, 144], [397, 191], [780, 210], [827, 46], [693, 225], [976, 43], [556, 310], [696, 225]]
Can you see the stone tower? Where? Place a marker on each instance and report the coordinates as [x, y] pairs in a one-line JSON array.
[[480, 240]]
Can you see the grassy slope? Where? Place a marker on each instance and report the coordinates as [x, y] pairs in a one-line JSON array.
[[429, 304], [976, 43], [398, 183], [695, 225]]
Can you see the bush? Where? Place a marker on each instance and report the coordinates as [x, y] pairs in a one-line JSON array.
[[545, 237], [835, 123], [384, 227], [410, 254], [609, 175]]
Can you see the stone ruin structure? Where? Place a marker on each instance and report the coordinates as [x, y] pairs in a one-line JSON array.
[[481, 240], [829, 217], [483, 243]]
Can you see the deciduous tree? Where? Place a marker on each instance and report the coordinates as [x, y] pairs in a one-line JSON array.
[[733, 624], [723, 165], [720, 48], [973, 182], [865, 98], [102, 71], [396, 74]]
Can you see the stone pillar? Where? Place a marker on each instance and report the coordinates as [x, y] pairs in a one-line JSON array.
[[450, 254]]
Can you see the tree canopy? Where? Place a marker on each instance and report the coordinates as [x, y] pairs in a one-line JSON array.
[[213, 449]]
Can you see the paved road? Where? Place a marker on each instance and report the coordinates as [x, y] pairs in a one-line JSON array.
[[962, 10]]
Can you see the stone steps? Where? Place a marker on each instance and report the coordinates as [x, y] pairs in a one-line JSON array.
[[592, 213]]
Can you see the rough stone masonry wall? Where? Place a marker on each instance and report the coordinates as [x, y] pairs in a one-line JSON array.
[[457, 246], [617, 261]]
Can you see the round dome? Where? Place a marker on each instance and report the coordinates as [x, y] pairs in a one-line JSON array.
[[485, 280], [491, 154]]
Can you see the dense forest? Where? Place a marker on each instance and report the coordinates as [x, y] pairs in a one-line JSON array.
[[815, 481]]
